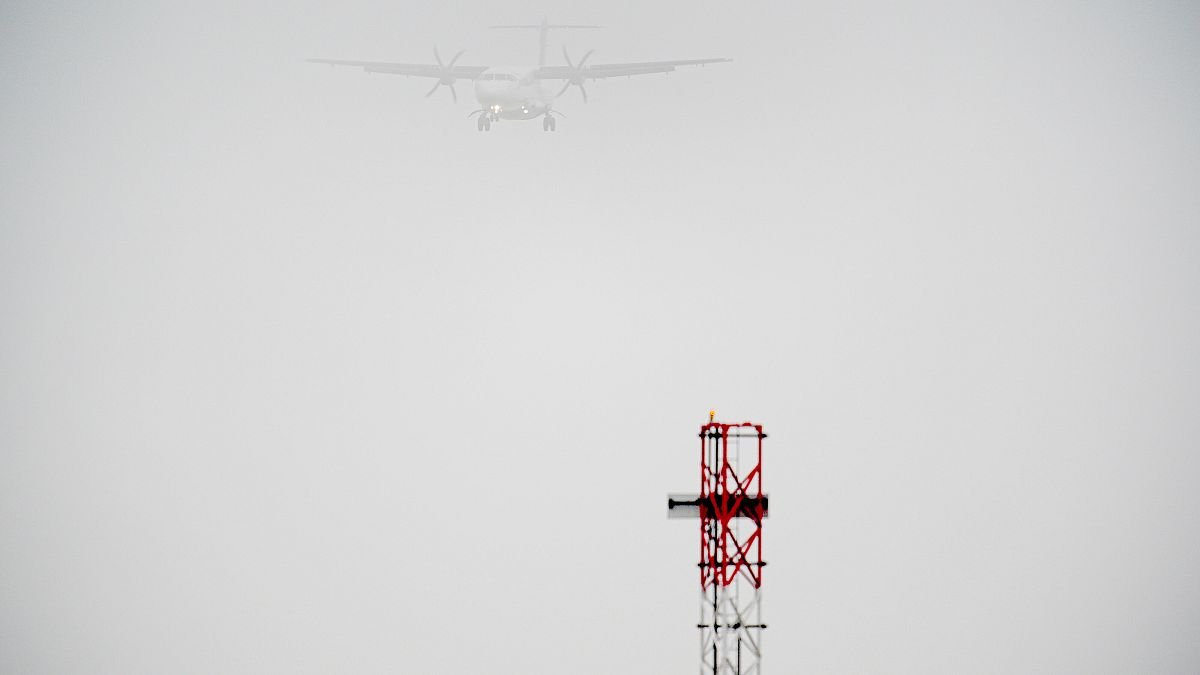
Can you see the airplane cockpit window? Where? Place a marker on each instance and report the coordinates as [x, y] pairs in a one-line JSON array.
[[509, 77]]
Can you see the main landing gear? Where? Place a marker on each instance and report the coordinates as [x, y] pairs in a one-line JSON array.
[[484, 123], [549, 123]]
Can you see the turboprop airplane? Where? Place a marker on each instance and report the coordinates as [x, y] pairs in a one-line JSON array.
[[519, 93]]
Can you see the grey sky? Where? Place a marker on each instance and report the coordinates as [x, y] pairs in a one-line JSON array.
[[299, 373]]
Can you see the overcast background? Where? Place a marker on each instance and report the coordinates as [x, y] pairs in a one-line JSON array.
[[299, 373]]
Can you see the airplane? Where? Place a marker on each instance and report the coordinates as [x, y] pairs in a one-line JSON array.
[[516, 92]]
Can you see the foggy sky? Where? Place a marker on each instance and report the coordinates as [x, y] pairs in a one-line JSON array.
[[299, 373]]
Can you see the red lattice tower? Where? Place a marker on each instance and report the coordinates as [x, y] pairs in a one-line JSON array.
[[731, 507]]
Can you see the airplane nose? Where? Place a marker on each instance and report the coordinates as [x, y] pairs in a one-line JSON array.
[[487, 91]]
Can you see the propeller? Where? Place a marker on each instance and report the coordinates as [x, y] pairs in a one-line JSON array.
[[578, 73], [447, 75]]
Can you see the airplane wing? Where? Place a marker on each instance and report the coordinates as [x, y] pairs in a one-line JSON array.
[[604, 70], [410, 69]]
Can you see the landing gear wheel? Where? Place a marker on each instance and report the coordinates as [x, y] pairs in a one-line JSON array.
[[547, 121], [479, 123], [553, 124]]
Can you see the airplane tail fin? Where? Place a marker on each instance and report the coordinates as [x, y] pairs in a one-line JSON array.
[[543, 30]]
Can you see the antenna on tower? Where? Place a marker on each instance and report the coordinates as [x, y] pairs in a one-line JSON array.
[[543, 30]]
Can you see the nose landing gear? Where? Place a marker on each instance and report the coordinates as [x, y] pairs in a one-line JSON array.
[[549, 123], [484, 123]]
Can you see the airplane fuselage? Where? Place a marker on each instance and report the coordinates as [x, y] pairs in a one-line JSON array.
[[512, 93]]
